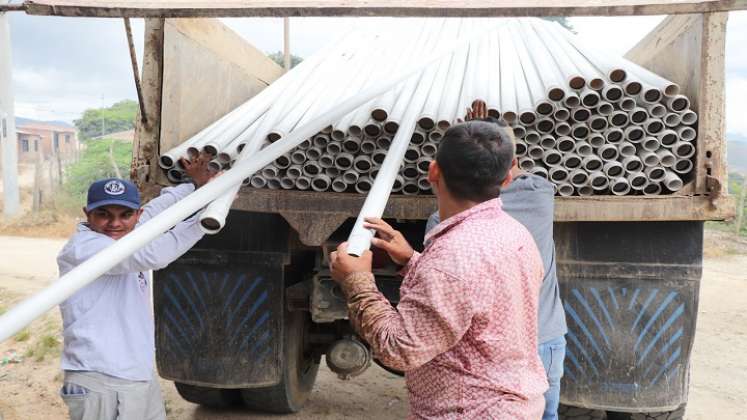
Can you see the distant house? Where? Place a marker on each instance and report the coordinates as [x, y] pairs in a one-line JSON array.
[[44, 139]]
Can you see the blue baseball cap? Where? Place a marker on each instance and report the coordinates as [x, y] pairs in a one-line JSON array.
[[113, 191]]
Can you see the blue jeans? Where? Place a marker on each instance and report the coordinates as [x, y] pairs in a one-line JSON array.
[[552, 353]]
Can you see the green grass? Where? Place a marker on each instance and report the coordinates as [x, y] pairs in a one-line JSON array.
[[24, 335], [47, 345]]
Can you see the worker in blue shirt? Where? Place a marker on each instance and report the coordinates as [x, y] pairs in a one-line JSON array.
[[108, 329]]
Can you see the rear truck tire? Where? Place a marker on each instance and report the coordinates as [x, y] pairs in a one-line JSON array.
[[677, 414], [568, 412], [210, 397], [299, 372]]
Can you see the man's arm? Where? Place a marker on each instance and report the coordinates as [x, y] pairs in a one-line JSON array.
[[433, 315], [156, 255]]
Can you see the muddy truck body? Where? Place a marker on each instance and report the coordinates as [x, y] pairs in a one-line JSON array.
[[249, 313]]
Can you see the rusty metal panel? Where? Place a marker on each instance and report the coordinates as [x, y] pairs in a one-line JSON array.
[[235, 8]]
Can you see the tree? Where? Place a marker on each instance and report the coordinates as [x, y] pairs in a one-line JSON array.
[[95, 164], [562, 20], [277, 57], [101, 121]]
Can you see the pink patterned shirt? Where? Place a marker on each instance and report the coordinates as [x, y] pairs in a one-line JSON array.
[[465, 329]]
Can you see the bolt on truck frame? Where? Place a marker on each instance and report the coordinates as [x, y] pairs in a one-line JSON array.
[[248, 313]]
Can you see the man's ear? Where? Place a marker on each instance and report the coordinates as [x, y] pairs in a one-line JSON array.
[[434, 172]]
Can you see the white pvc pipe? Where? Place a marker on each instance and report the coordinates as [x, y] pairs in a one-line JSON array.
[[598, 123], [326, 161], [350, 176], [552, 158], [666, 158], [331, 172], [584, 149], [592, 163], [686, 133], [683, 150], [547, 141], [656, 110], [634, 134], [632, 164], [598, 180], [619, 186], [429, 149], [526, 163], [557, 174], [351, 144], [520, 148], [562, 128], [649, 158], [672, 119], [653, 126], [565, 189], [565, 144], [672, 182], [320, 183], [294, 171], [609, 152], [614, 135], [668, 137], [613, 169], [655, 173], [683, 166], [637, 180], [578, 178], [605, 108], [339, 185], [287, 183], [689, 117], [411, 172], [678, 103], [258, 181], [303, 183], [626, 149], [543, 54], [561, 114], [651, 144], [539, 171], [652, 188]]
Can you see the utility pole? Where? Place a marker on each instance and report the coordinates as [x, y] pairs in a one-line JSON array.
[[286, 44], [11, 200]]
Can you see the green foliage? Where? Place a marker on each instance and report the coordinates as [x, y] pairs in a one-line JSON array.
[[562, 20], [736, 183], [47, 345], [23, 335], [98, 121], [95, 164], [277, 57]]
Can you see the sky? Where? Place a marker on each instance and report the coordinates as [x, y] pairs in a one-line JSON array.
[[62, 66]]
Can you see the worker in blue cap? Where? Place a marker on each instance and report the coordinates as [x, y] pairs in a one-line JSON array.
[[108, 328]]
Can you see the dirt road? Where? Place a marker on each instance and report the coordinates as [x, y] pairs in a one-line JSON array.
[[28, 388]]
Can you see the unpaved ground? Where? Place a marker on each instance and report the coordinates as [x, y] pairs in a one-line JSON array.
[[28, 388]]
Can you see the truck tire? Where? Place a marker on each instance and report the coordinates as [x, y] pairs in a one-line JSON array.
[[299, 372], [568, 412], [677, 414], [210, 397]]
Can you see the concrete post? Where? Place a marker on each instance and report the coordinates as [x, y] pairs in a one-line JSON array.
[[286, 44], [11, 201]]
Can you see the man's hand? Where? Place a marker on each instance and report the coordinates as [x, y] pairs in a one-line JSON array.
[[478, 111], [342, 265], [198, 169], [390, 240]]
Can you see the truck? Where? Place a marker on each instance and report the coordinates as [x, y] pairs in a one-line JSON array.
[[247, 315]]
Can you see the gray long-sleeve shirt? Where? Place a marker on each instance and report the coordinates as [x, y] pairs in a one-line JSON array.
[[530, 200], [107, 325]]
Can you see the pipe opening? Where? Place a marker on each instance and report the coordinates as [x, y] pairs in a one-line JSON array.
[[535, 152], [379, 114], [269, 172], [565, 144], [417, 138], [258, 182], [350, 177], [548, 142], [519, 131], [556, 94], [273, 136], [211, 225], [590, 99], [287, 183], [687, 133], [685, 150], [627, 150], [689, 117], [572, 101], [410, 188], [581, 114], [320, 141], [619, 119], [423, 165], [633, 88], [671, 90], [398, 184], [605, 109], [214, 166], [355, 131], [372, 130], [593, 165], [654, 127], [273, 184], [579, 178], [680, 104], [334, 148], [175, 175], [561, 114], [652, 188], [532, 137], [545, 108], [351, 145], [545, 125], [426, 123], [378, 157], [634, 166], [343, 162], [553, 158], [652, 95], [508, 116], [368, 147], [210, 149], [338, 134], [282, 162], [294, 172], [577, 82], [627, 104], [614, 136], [599, 182], [565, 190], [598, 123], [585, 190], [668, 138], [444, 125], [339, 186], [313, 153], [520, 149], [635, 134], [638, 181], [562, 129], [331, 171], [166, 162], [558, 175], [362, 165], [303, 183], [609, 153], [527, 117], [614, 171], [683, 166], [311, 169], [572, 162], [620, 187], [580, 132], [613, 93], [430, 149], [241, 146], [391, 127], [657, 110], [596, 83], [435, 136], [412, 155], [298, 157], [618, 75], [584, 149], [320, 184], [639, 116], [494, 113], [526, 164]]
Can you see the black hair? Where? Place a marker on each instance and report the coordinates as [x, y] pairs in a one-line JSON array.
[[475, 158]]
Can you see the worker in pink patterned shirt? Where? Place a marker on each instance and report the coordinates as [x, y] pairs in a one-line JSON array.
[[465, 329]]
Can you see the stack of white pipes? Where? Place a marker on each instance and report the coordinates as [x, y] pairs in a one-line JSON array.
[[589, 122]]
